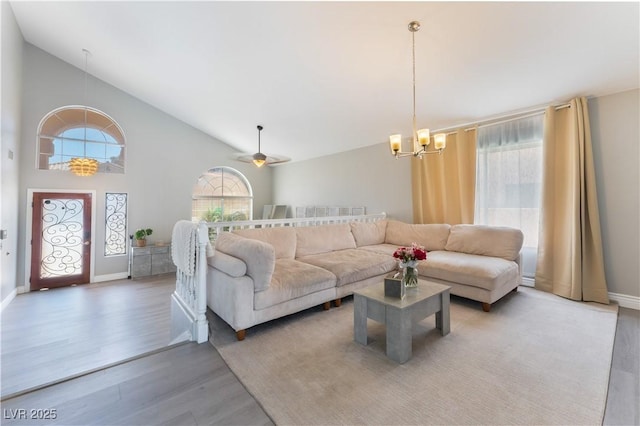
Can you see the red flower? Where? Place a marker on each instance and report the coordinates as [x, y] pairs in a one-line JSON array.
[[406, 254]]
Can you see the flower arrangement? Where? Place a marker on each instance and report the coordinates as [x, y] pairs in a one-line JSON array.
[[410, 254], [408, 260]]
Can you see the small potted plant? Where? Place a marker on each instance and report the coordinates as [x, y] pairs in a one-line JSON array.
[[141, 236]]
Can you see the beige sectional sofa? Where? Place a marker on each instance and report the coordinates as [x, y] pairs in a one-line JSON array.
[[257, 275]]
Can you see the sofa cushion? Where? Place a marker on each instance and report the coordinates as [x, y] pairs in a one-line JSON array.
[[292, 279], [323, 239], [486, 241], [259, 256], [230, 265], [475, 270], [431, 236], [283, 239], [369, 233], [352, 265], [387, 249]]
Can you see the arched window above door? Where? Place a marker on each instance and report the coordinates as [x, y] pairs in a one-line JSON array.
[[80, 131]]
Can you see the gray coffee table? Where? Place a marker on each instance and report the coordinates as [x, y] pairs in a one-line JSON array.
[[399, 314]]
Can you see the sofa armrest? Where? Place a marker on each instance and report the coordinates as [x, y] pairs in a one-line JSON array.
[[228, 264], [259, 257]]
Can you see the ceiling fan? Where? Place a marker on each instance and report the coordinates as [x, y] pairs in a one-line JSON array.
[[259, 158]]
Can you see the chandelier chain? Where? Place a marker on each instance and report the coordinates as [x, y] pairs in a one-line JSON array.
[[86, 78], [413, 42]]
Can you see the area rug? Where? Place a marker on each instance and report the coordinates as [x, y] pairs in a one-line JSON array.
[[534, 359]]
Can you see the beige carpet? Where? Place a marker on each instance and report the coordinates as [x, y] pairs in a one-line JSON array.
[[534, 359]]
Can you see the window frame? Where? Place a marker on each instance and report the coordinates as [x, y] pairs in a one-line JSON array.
[[224, 170], [104, 166]]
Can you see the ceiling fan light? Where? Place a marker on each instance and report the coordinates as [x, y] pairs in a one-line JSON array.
[[259, 159]]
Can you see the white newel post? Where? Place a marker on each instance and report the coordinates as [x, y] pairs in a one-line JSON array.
[[201, 326]]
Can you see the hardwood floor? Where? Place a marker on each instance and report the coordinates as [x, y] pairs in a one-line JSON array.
[[623, 401], [183, 384], [50, 335], [188, 385]]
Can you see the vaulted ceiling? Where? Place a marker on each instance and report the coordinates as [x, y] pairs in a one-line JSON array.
[[326, 77]]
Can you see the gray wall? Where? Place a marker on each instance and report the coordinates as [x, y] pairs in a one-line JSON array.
[[368, 177], [164, 156], [12, 43], [615, 123], [371, 177]]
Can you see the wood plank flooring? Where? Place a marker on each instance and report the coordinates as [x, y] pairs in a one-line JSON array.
[[188, 385], [185, 384], [50, 335], [623, 401]]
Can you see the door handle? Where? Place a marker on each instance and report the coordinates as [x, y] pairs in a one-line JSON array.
[[86, 243]]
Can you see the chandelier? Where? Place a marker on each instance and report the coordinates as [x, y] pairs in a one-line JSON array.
[[84, 166], [81, 166], [421, 138]]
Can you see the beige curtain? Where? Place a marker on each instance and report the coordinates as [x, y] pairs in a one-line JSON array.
[[570, 262], [444, 185]]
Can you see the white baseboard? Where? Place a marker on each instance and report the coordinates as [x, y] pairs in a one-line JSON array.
[[110, 277], [8, 299], [626, 301], [623, 300], [528, 282]]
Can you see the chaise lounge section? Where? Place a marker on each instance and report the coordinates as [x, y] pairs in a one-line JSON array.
[[257, 275]]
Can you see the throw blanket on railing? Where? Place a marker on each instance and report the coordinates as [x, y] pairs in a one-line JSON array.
[[184, 241]]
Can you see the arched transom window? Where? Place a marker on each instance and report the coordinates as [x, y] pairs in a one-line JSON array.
[[222, 194], [78, 131]]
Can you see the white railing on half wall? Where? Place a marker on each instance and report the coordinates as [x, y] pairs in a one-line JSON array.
[[216, 228], [189, 301]]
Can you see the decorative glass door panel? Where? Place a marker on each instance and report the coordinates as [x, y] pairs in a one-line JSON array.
[[61, 240]]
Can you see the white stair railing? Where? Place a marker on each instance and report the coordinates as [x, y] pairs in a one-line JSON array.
[[191, 293], [219, 227]]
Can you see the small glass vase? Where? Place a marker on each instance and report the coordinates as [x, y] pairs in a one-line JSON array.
[[410, 274]]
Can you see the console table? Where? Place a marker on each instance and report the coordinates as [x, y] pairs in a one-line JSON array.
[[151, 260]]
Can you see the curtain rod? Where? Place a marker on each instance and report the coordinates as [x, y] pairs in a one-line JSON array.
[[498, 120]]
